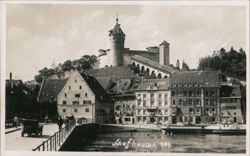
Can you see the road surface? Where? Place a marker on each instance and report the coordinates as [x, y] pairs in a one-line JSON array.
[[14, 141]]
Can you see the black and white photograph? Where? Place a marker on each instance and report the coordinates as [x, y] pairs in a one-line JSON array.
[[134, 77]]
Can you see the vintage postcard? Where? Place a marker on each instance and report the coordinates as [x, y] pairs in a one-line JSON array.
[[129, 78]]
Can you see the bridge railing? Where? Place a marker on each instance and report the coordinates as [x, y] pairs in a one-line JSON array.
[[54, 142]]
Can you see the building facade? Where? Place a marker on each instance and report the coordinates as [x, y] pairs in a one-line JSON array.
[[83, 97], [195, 94], [152, 102], [230, 101]]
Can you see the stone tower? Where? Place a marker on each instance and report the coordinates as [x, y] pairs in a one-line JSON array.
[[117, 38], [164, 53]]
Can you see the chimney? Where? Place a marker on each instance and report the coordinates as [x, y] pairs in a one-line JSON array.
[[11, 81]]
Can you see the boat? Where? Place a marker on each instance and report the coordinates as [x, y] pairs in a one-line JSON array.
[[226, 129]]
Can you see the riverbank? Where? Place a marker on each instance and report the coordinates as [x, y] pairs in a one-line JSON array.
[[107, 138]]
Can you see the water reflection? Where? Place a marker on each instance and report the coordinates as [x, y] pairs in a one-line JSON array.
[[158, 142]]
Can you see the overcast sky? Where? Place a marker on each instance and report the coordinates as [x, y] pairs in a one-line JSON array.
[[37, 34]]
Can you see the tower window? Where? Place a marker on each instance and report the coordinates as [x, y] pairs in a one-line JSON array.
[[80, 87], [86, 94], [65, 95]]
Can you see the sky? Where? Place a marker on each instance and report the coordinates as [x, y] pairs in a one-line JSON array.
[[39, 34]]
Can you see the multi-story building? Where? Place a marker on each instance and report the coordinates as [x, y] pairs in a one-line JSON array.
[[195, 94], [119, 82], [230, 101], [152, 102], [81, 96]]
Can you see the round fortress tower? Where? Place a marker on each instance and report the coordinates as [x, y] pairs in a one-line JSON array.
[[117, 38]]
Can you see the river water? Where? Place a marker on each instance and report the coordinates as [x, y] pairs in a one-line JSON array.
[[158, 142]]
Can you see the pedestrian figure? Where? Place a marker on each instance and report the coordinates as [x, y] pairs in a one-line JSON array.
[[16, 121], [60, 123]]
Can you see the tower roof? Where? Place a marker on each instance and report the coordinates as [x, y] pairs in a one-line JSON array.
[[164, 43], [117, 29]]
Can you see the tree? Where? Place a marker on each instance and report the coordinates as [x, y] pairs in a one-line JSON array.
[[178, 64], [231, 62], [185, 66], [85, 62]]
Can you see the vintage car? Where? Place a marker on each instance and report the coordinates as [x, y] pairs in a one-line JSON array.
[[31, 126]]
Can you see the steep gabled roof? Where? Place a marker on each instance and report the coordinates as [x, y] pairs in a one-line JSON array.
[[230, 91], [50, 89], [96, 88], [201, 78], [163, 43]]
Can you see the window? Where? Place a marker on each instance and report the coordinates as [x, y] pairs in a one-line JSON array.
[[160, 103], [86, 94], [69, 87], [77, 95], [173, 102], [159, 96], [166, 103], [198, 102], [206, 102], [206, 93], [75, 110], [144, 102], [173, 93], [86, 109], [214, 102], [64, 102], [235, 113], [64, 110], [190, 102], [80, 87], [166, 96], [191, 110], [190, 93], [180, 102], [75, 102], [185, 93], [75, 81], [139, 95], [151, 95], [214, 110], [144, 95], [198, 93], [212, 93], [65, 95], [228, 113], [139, 102], [87, 102]]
